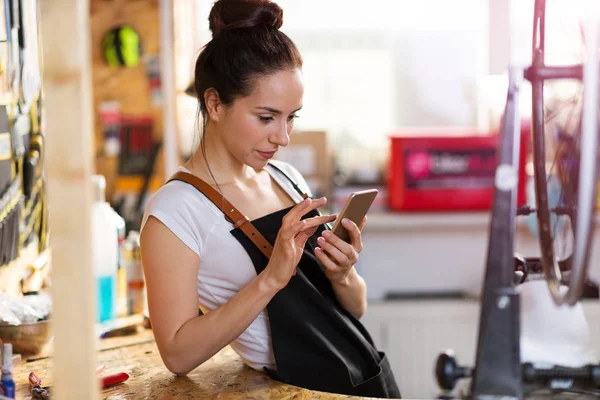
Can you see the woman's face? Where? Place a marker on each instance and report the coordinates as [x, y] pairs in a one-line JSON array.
[[254, 127]]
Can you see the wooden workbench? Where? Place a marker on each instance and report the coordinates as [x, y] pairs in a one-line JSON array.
[[224, 376]]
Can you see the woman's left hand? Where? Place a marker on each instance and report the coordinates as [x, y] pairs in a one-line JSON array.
[[338, 257]]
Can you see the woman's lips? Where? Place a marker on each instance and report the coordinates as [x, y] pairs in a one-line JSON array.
[[267, 155]]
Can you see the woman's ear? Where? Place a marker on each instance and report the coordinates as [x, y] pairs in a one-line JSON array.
[[213, 103]]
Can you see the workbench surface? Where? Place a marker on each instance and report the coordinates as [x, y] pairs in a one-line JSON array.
[[224, 376]]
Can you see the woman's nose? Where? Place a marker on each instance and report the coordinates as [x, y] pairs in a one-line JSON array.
[[281, 137]]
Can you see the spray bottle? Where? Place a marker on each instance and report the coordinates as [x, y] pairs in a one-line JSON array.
[[7, 383]]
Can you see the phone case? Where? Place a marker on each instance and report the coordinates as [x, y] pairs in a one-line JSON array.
[[355, 209]]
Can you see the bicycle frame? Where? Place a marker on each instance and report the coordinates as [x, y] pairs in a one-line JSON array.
[[498, 370]]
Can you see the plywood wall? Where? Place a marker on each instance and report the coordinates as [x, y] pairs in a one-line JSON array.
[[129, 86]]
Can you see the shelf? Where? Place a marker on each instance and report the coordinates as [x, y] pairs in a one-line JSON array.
[[402, 221]]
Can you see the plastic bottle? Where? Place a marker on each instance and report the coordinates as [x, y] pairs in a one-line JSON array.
[[136, 292], [121, 270], [7, 383], [105, 252]]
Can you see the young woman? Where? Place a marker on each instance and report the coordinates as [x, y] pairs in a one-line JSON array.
[[239, 235]]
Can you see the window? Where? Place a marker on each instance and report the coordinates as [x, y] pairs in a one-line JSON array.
[[372, 68]]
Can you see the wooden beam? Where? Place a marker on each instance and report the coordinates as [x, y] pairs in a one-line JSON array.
[[68, 127], [167, 72]]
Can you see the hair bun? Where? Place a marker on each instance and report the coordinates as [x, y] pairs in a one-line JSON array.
[[232, 14]]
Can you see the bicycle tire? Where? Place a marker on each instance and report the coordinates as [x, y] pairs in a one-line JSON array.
[[586, 192]]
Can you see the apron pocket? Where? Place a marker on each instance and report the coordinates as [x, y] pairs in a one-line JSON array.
[[381, 384]]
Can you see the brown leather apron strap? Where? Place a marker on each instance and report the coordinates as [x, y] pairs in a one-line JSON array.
[[231, 213]]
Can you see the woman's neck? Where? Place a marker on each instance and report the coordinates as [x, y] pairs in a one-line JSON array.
[[224, 168]]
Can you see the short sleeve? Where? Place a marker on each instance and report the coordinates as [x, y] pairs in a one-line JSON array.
[[177, 206]]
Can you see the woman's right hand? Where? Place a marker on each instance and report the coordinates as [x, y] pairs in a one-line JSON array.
[[291, 238]]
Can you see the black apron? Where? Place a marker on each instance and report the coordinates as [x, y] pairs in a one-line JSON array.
[[317, 344]]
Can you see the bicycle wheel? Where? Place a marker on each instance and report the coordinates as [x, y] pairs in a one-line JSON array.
[[578, 173]]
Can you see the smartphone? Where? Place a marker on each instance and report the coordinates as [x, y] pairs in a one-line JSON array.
[[355, 209]]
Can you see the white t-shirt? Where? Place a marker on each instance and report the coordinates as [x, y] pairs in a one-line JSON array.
[[225, 267]]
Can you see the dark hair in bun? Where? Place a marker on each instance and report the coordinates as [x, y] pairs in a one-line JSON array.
[[231, 14], [247, 44]]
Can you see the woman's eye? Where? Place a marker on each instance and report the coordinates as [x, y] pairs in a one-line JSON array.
[[293, 117], [265, 119]]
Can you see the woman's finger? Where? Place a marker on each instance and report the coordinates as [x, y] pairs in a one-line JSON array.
[[296, 212], [354, 232], [326, 261], [309, 223], [302, 236], [305, 224], [308, 232], [333, 251], [302, 208], [362, 224], [342, 245]]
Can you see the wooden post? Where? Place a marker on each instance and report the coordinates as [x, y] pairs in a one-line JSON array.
[[167, 72], [67, 115]]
